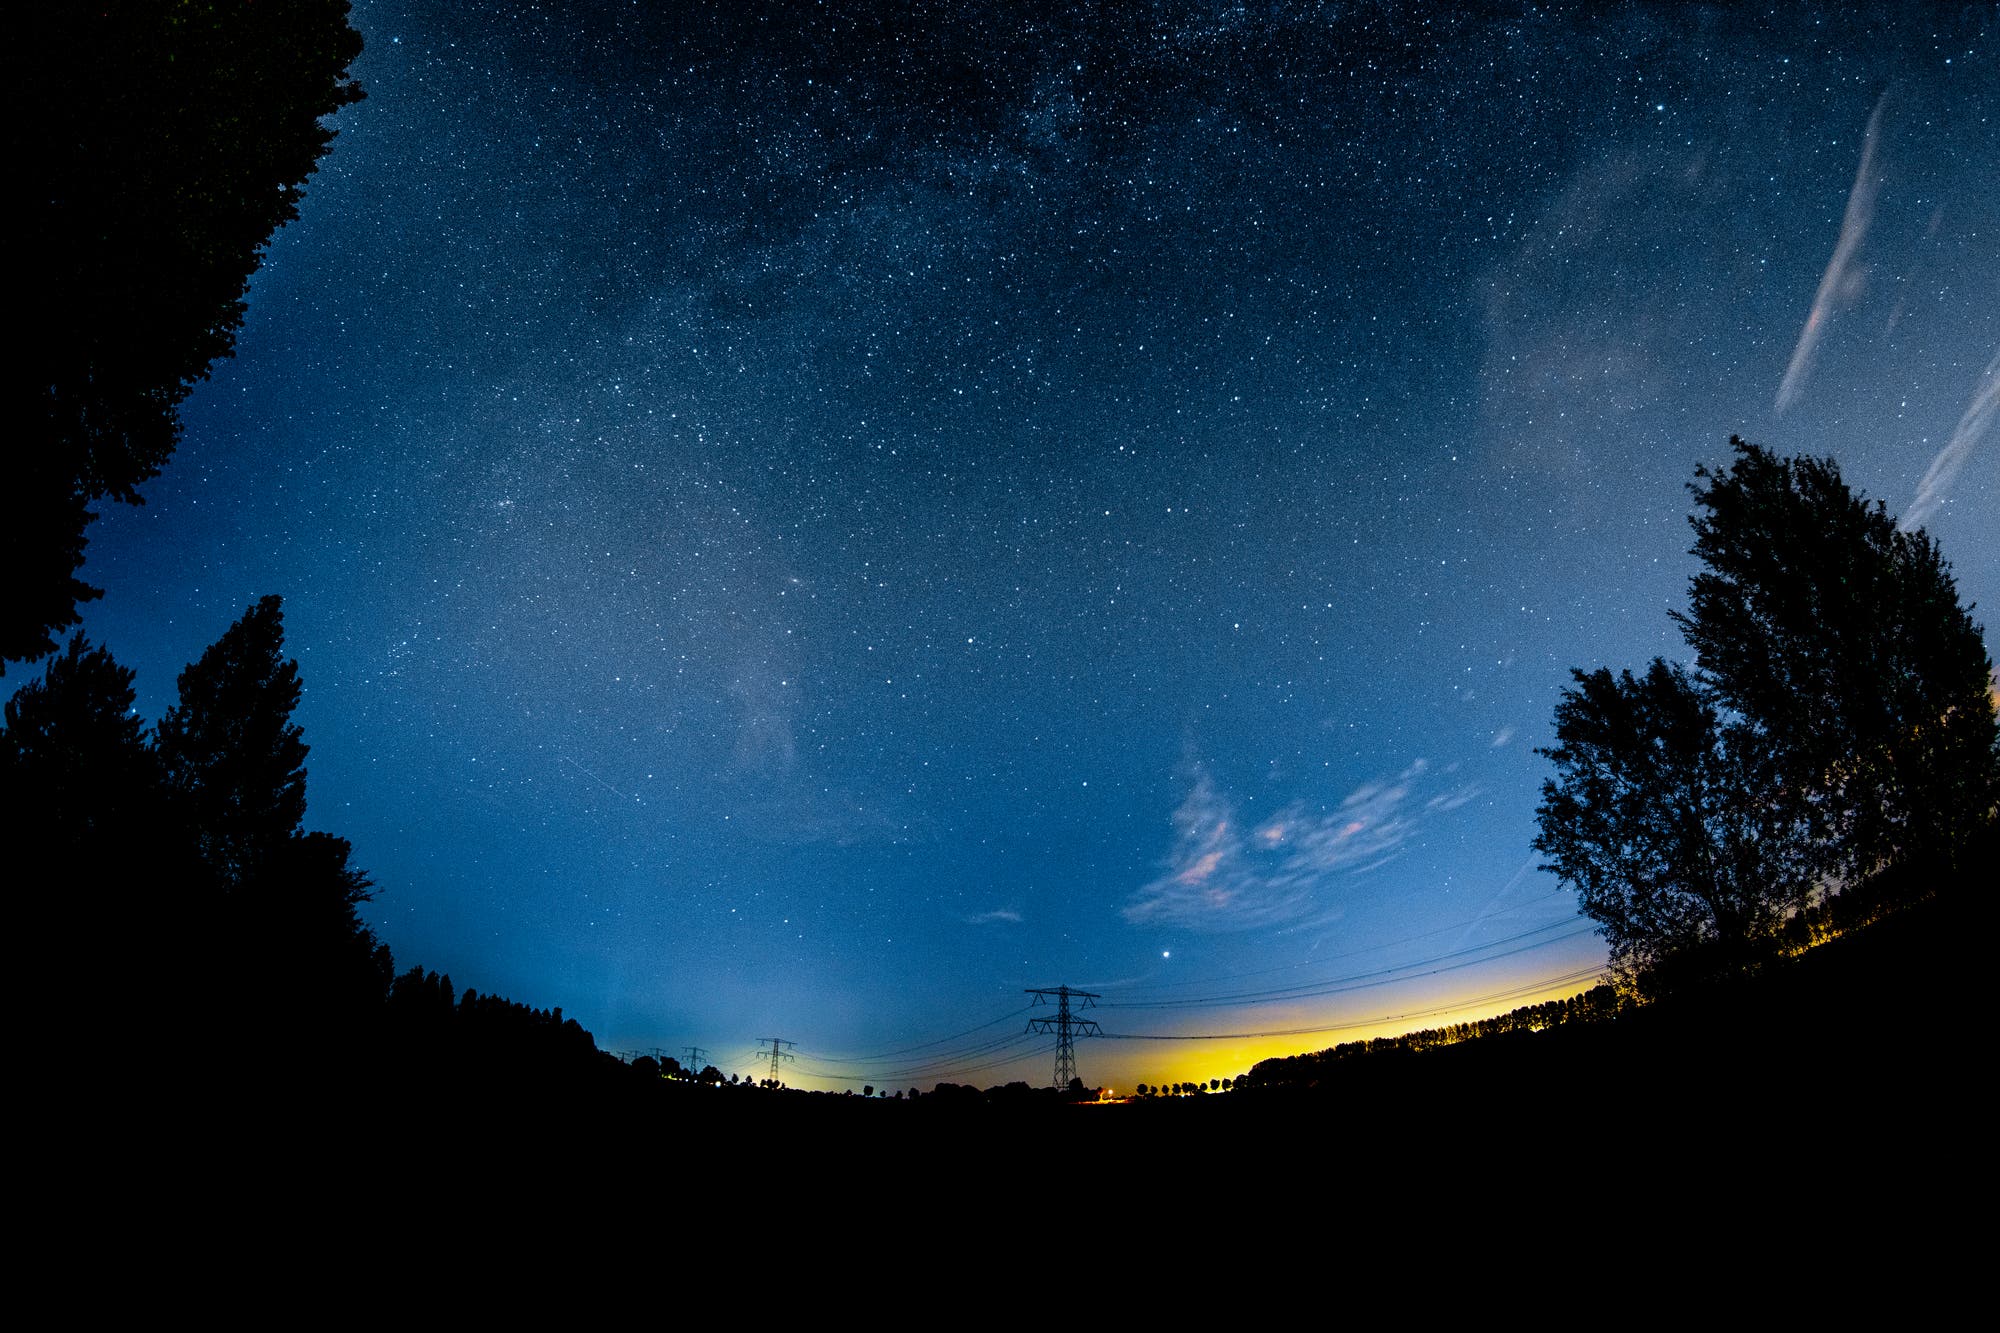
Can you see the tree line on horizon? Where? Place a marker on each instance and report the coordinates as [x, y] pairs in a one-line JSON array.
[[179, 862], [1597, 1005]]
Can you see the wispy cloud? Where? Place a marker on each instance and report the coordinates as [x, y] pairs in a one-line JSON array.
[[1944, 469], [801, 814], [1452, 800], [766, 743], [998, 915], [776, 794], [1842, 280], [1225, 874]]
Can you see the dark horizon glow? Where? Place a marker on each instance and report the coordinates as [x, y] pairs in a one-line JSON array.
[[813, 524]]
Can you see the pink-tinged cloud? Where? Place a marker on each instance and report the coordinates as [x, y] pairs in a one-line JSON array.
[[1201, 870], [1843, 277], [1285, 872]]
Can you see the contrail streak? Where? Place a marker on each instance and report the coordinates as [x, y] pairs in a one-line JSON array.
[[593, 777], [1944, 469], [1837, 283], [1487, 910]]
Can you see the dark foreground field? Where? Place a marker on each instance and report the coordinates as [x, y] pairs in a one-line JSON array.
[[1858, 1057]]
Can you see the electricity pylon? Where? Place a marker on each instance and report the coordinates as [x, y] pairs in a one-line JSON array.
[[697, 1057], [1066, 1027], [777, 1052]]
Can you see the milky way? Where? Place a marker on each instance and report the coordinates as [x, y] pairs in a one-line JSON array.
[[801, 521]]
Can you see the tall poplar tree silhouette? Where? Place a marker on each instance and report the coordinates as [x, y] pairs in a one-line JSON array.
[[277, 896], [234, 759]]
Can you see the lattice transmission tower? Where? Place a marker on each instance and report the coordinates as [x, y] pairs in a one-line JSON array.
[[777, 1052], [1066, 1026]]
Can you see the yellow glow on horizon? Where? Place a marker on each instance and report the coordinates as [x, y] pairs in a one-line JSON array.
[[1378, 1009], [1168, 1062]]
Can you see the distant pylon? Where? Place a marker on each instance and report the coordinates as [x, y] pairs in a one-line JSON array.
[[1065, 1026], [777, 1052], [697, 1057]]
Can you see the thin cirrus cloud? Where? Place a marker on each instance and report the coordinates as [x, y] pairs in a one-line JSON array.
[[1224, 874], [1944, 469], [1843, 277], [999, 915]]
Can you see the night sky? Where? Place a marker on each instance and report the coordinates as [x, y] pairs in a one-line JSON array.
[[799, 521]]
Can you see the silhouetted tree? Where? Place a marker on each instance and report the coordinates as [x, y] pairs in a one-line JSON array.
[[153, 149], [82, 830], [1657, 822], [234, 767], [180, 872], [422, 997], [234, 759], [305, 918], [73, 757], [1840, 642], [1840, 720]]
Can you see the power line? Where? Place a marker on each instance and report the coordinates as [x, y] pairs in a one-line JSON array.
[[1006, 1048], [982, 1056], [1512, 993], [948, 1059], [1008, 1052], [904, 1050], [987, 1054], [933, 1064], [1351, 953], [1379, 977]]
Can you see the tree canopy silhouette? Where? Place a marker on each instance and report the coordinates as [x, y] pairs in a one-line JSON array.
[[1840, 719], [176, 862], [73, 756], [1840, 641], [155, 148], [1659, 823], [234, 759], [82, 819], [218, 932]]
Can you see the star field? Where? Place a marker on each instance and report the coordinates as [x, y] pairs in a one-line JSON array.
[[810, 519]]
